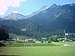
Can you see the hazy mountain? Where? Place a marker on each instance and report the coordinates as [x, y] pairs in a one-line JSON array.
[[18, 16], [52, 20], [14, 16]]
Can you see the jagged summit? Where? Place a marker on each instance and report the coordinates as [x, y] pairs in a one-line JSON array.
[[53, 6]]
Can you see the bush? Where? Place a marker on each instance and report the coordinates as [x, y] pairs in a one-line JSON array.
[[1, 44], [42, 41], [49, 41]]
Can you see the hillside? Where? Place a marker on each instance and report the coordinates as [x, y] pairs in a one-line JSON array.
[[52, 20]]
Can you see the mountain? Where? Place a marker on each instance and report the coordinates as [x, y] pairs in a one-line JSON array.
[[18, 16], [14, 16], [50, 21], [38, 11], [1, 19], [46, 16]]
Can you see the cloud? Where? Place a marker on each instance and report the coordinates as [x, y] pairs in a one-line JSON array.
[[5, 4]]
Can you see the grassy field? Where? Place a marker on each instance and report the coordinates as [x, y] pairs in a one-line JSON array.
[[39, 51]]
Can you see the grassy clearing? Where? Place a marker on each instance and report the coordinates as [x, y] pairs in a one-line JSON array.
[[62, 43], [39, 51]]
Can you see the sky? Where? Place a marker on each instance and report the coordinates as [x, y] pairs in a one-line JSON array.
[[27, 7]]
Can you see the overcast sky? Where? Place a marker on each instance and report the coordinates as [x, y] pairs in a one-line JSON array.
[[26, 7]]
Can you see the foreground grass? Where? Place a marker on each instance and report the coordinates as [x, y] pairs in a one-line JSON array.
[[39, 51]]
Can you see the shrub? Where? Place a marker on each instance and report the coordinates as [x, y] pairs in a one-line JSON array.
[[1, 44], [49, 41], [42, 41]]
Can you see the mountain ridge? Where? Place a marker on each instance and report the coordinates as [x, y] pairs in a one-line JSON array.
[[50, 21]]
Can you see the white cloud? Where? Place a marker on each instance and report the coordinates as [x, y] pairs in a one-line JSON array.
[[4, 4]]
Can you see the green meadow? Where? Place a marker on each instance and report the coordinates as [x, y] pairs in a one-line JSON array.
[[39, 51]]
